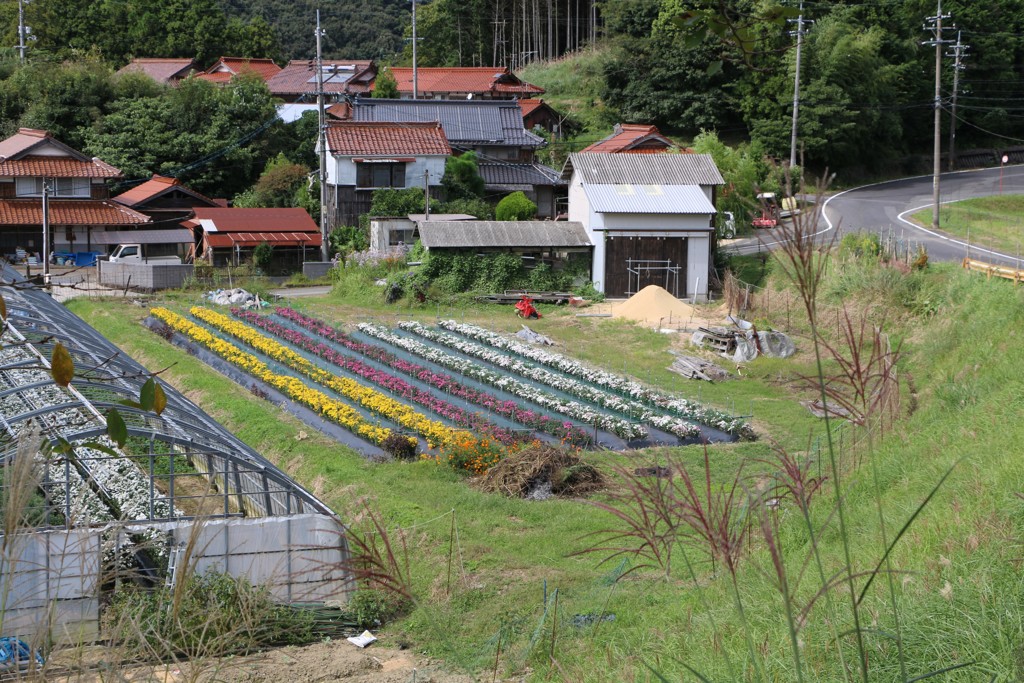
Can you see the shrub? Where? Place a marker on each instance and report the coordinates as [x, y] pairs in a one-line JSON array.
[[374, 607], [211, 614], [515, 207], [262, 255], [400, 447], [860, 244]]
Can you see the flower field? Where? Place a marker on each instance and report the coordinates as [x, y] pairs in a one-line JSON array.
[[674, 405], [429, 382], [334, 410]]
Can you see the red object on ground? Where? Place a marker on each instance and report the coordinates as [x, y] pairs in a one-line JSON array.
[[525, 309]]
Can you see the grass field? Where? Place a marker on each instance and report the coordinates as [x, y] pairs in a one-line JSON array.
[[958, 586], [994, 222]]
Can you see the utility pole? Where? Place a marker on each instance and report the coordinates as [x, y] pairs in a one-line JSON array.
[[322, 143], [46, 231], [796, 84], [959, 52], [937, 41], [415, 75], [22, 30]]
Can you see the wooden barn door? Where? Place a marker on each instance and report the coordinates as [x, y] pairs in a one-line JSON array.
[[646, 257]]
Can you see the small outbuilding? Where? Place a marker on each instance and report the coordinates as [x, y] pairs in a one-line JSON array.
[[537, 242], [650, 218], [229, 236]]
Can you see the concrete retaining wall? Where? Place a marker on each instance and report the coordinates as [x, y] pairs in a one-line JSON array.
[[144, 276], [315, 270]]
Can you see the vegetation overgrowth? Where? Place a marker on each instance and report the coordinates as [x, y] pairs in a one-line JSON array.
[[955, 587], [991, 222]]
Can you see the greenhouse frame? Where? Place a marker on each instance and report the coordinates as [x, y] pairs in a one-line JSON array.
[[181, 494]]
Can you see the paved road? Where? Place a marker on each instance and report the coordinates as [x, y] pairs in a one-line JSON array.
[[885, 207]]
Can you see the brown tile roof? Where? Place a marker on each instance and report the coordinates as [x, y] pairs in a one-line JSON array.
[[22, 141], [254, 220], [68, 212], [155, 187], [464, 79], [530, 105], [633, 138], [340, 110], [298, 77], [159, 69], [227, 67], [57, 167], [372, 138]]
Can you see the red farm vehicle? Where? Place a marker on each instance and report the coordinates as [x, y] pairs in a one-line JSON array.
[[772, 211], [525, 309]]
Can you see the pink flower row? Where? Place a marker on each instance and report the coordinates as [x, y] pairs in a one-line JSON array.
[[396, 385], [563, 430]]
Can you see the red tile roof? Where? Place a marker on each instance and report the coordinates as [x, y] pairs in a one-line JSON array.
[[223, 220], [253, 239], [226, 67], [463, 79], [371, 138], [633, 138], [159, 69], [57, 167], [155, 187], [530, 105], [68, 212], [298, 77]]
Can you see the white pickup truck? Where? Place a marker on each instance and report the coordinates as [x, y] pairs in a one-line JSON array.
[[146, 253]]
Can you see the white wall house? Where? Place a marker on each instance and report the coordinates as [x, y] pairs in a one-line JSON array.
[[368, 156], [650, 218]]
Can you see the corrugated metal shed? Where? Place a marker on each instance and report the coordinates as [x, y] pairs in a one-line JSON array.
[[172, 236], [482, 234], [672, 199], [518, 175], [643, 169]]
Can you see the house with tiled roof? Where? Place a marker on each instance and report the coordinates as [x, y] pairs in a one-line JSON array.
[[166, 71], [165, 199], [463, 82], [650, 218], [491, 128], [31, 162], [297, 81], [227, 68], [634, 138], [228, 236], [370, 155], [538, 114]]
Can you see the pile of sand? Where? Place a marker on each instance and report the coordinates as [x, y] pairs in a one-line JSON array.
[[653, 304]]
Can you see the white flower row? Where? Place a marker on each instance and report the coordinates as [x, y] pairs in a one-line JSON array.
[[576, 411], [672, 404], [634, 409]]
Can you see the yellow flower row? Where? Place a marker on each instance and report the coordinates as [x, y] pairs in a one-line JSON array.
[[329, 407], [435, 432]]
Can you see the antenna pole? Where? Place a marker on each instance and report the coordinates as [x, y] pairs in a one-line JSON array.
[[415, 79], [322, 142]]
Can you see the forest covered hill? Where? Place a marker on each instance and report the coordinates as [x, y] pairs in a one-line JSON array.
[[867, 78]]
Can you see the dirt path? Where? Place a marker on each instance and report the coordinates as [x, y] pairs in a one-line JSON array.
[[329, 661]]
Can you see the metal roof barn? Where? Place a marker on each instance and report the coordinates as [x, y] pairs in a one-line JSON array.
[[643, 169], [669, 199], [497, 234]]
